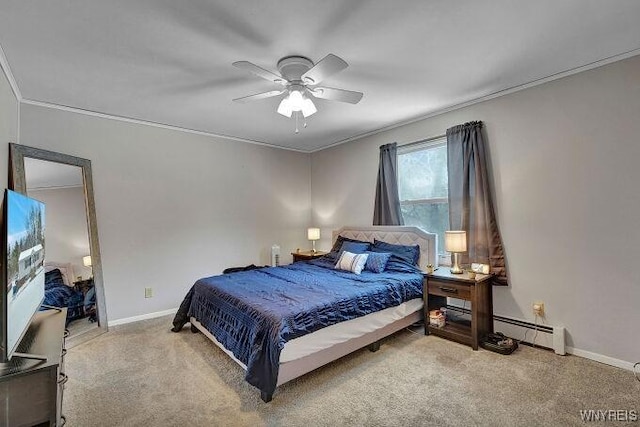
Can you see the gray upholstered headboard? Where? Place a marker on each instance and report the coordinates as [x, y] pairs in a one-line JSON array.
[[397, 235]]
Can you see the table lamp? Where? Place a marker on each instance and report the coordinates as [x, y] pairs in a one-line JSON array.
[[313, 234], [455, 241]]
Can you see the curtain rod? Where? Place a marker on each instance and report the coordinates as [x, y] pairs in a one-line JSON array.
[[422, 141]]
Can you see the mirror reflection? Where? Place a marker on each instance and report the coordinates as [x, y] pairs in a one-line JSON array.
[[68, 273]]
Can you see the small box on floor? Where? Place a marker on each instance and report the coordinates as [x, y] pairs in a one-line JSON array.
[[436, 318]]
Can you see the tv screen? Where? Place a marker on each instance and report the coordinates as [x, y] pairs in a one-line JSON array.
[[23, 227]]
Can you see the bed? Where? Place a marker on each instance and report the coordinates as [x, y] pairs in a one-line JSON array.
[[59, 291], [280, 323]]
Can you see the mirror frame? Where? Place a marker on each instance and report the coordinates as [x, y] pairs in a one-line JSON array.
[[18, 183]]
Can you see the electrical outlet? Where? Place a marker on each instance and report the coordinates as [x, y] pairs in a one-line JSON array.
[[538, 309], [148, 292]]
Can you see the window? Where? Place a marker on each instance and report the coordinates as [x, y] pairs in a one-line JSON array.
[[423, 187]]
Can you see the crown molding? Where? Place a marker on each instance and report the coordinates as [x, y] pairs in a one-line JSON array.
[[518, 88], [6, 69], [4, 64], [150, 123]]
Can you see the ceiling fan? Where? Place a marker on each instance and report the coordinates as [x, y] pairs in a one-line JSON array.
[[300, 78]]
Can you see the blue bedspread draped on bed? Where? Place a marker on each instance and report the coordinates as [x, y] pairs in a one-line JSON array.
[[254, 313], [57, 294]]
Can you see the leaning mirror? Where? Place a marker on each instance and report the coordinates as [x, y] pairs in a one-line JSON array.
[[73, 268]]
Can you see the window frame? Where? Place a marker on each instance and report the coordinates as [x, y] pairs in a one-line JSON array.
[[444, 258]]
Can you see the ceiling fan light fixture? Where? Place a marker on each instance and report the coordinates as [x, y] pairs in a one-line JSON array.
[[285, 107], [296, 100], [299, 76], [308, 108]]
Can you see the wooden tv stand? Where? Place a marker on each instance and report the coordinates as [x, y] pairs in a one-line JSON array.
[[31, 390]]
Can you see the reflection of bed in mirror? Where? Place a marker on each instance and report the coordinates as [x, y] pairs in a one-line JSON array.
[[62, 291]]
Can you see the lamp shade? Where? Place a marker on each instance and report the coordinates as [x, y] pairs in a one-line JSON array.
[[308, 107], [313, 234], [296, 99], [86, 261], [455, 241], [285, 107]]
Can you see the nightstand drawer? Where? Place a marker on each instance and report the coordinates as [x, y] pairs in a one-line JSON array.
[[449, 289]]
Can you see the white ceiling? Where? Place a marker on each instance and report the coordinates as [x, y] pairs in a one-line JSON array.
[[170, 61]]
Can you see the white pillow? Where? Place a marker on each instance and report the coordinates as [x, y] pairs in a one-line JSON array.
[[351, 262]]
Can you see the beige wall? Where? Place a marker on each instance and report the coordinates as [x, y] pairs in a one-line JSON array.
[[173, 207], [67, 239], [565, 158]]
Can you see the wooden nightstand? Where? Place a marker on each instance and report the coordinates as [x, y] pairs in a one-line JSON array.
[[306, 255], [83, 285], [439, 285]]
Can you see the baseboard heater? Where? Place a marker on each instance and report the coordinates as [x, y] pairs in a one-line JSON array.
[[549, 337]]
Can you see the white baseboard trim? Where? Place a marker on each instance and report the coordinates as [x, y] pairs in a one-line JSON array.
[[600, 358], [147, 316]]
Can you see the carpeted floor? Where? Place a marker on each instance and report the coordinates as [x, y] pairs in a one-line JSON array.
[[142, 374], [80, 326]]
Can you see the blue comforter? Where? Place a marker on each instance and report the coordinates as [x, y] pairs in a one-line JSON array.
[[57, 294], [254, 313]]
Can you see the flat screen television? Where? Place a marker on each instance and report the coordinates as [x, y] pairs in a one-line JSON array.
[[22, 272]]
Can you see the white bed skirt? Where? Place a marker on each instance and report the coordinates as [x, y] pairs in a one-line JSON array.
[[344, 331]]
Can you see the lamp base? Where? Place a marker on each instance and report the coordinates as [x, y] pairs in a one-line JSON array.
[[313, 246], [455, 268]]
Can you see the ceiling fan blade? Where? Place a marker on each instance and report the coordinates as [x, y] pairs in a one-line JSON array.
[[334, 94], [260, 72], [328, 66], [257, 96]]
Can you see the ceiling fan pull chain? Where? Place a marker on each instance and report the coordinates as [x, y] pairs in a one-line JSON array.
[[297, 130]]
